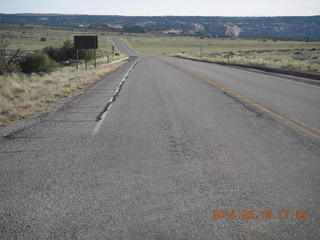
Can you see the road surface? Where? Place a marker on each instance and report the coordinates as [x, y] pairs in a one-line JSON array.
[[158, 148]]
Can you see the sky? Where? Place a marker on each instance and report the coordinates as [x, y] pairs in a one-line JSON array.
[[166, 7]]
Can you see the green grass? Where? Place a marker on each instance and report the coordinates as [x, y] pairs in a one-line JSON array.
[[292, 55]]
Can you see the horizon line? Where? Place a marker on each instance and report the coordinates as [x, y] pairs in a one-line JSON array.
[[120, 15]]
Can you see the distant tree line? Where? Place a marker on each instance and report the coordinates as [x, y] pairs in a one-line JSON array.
[[251, 27]]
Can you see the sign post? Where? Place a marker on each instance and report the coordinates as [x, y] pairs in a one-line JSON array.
[[85, 42], [86, 59], [77, 59], [113, 52]]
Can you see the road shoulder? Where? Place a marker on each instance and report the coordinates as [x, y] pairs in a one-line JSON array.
[[19, 125], [291, 75]]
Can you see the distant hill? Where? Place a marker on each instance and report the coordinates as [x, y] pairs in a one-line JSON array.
[[243, 27]]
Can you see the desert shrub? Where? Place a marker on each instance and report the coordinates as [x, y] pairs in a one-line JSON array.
[[287, 64], [43, 39], [51, 52], [6, 67], [37, 62], [60, 54], [13, 68], [9, 59], [65, 52]]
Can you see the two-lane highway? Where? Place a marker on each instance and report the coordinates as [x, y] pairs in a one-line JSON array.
[[180, 139]]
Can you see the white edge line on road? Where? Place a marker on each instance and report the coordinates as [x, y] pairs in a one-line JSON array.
[[280, 76], [103, 116], [120, 60]]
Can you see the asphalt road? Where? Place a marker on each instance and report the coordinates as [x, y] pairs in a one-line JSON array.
[[151, 150]]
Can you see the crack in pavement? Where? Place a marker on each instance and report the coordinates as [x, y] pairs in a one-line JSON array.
[[112, 100], [101, 116]]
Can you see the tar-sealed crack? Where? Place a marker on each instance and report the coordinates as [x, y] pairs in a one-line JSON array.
[[113, 99], [115, 95]]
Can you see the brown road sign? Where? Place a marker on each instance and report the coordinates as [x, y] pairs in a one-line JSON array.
[[86, 42]]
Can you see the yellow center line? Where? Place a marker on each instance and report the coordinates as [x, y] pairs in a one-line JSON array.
[[317, 130], [298, 125]]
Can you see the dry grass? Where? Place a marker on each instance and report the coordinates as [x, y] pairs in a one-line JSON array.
[[27, 37], [22, 95], [145, 44], [300, 60]]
